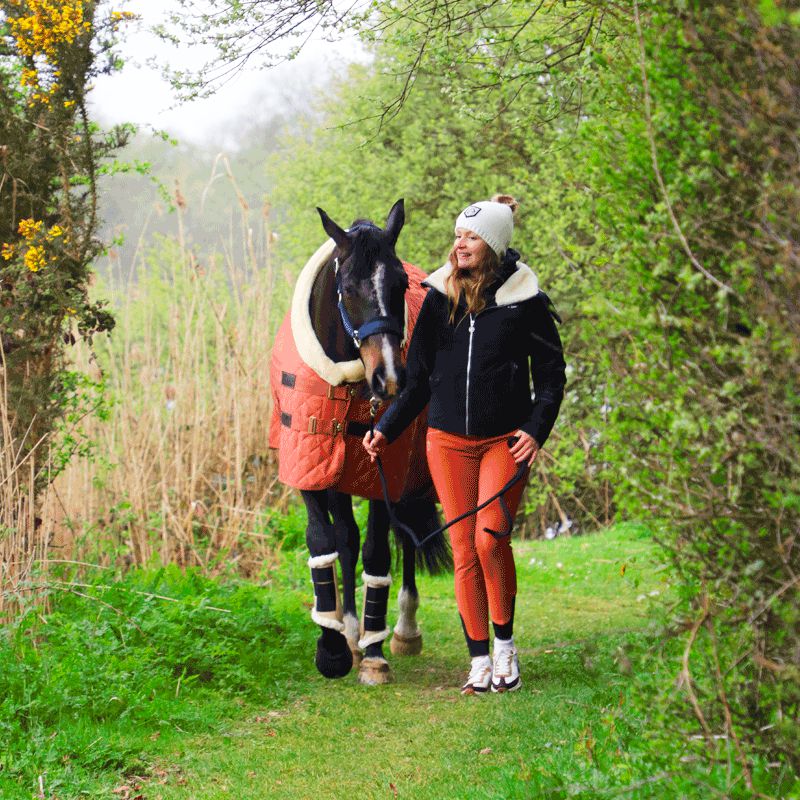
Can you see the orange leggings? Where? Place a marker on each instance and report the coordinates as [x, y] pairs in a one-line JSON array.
[[466, 471]]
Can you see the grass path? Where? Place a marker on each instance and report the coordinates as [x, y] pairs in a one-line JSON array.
[[580, 600]]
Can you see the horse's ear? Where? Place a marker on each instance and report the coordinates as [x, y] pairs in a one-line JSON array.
[[334, 231], [395, 221]]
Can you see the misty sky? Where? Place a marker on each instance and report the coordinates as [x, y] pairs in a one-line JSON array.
[[139, 94]]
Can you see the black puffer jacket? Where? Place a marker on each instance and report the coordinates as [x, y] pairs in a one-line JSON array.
[[475, 373]]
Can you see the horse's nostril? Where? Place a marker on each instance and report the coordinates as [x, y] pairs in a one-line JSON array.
[[386, 387]]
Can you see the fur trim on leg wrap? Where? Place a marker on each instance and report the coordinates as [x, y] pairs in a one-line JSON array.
[[315, 562], [327, 622], [373, 638], [327, 611], [376, 600], [376, 580]]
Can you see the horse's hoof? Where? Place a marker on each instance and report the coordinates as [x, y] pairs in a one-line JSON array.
[[333, 659], [405, 645], [374, 672]]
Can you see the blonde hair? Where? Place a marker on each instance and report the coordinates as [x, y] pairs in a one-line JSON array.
[[472, 284]]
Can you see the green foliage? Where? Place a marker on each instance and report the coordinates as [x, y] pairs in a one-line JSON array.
[[79, 397], [702, 395], [443, 151]]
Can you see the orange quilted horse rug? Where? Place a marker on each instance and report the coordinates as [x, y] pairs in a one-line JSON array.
[[321, 408]]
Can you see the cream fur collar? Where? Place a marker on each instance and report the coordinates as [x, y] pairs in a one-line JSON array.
[[305, 339], [520, 285]]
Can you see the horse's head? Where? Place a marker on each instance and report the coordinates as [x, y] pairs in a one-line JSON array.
[[372, 284]]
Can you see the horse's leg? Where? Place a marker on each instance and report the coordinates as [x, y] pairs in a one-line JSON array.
[[348, 540], [407, 637], [333, 658], [374, 667]]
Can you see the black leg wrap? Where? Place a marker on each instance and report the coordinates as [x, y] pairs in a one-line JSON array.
[[377, 598], [333, 659], [324, 581]]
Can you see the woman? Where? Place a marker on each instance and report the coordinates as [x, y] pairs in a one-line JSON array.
[[483, 327]]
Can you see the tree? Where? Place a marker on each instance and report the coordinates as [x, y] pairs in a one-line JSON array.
[[50, 158]]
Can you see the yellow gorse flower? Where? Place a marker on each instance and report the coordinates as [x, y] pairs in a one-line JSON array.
[[29, 77], [44, 25], [35, 255], [28, 228], [35, 258]]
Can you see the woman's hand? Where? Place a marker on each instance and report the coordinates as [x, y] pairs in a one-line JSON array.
[[374, 443], [525, 448]]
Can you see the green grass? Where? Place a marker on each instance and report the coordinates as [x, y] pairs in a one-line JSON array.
[[214, 694], [418, 737], [118, 669]]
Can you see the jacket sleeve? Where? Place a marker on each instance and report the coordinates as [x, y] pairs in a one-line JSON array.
[[547, 371], [419, 364]]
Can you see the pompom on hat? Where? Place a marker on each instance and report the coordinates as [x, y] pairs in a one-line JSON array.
[[492, 220]]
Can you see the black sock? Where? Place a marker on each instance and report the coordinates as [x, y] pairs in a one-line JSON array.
[[476, 647], [506, 630]]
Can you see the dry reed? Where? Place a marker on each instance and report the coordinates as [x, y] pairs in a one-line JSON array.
[[22, 542], [179, 471]]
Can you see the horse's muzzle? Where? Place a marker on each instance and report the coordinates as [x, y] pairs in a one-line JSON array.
[[386, 386]]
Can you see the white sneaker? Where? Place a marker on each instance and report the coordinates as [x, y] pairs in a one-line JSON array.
[[505, 677], [479, 679]]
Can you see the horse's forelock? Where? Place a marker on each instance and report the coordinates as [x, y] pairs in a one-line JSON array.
[[362, 224], [369, 248]]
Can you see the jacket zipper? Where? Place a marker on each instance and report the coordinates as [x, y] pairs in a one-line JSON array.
[[469, 364]]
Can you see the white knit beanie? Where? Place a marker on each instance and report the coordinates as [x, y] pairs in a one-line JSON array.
[[493, 222]]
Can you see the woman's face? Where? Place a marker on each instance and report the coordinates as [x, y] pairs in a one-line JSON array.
[[469, 249]]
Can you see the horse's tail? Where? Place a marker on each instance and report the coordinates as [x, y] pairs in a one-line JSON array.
[[420, 514]]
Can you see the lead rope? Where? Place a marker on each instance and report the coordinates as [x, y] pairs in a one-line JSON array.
[[418, 543]]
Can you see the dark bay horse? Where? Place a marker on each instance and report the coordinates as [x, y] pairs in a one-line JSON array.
[[357, 309]]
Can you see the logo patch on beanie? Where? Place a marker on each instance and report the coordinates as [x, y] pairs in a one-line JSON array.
[[472, 211]]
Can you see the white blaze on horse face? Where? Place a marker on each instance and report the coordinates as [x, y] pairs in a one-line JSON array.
[[378, 278], [388, 360]]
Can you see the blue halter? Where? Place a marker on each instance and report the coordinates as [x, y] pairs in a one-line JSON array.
[[370, 327]]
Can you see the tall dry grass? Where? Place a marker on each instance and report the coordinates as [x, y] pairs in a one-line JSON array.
[[22, 544], [189, 477], [178, 469]]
